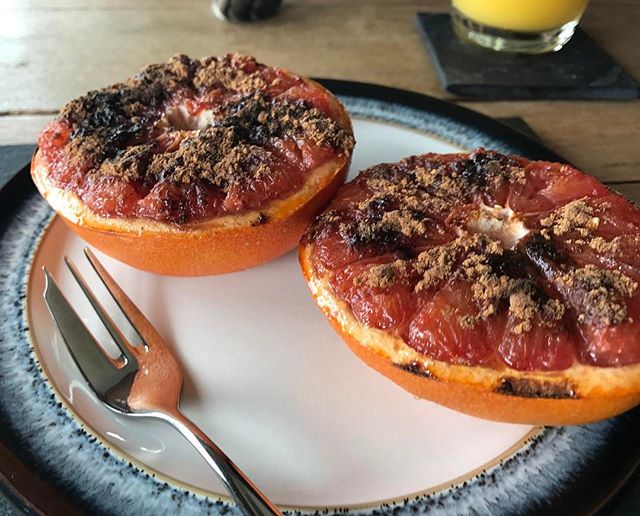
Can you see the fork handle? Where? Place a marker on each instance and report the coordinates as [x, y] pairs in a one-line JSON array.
[[247, 496]]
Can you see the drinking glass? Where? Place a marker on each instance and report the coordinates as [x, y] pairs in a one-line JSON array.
[[523, 26]]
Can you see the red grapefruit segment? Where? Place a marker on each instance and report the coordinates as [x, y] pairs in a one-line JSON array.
[[443, 328], [385, 303], [543, 347]]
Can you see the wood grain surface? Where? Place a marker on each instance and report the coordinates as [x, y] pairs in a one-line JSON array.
[[54, 50]]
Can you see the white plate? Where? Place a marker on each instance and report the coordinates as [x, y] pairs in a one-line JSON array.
[[270, 382]]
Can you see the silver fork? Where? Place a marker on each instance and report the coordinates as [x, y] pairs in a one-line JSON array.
[[145, 381]]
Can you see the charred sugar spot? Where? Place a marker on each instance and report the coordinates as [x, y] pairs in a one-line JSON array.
[[380, 237], [537, 248], [508, 263], [404, 253], [544, 255], [417, 369], [372, 213], [535, 388], [468, 171], [322, 224], [260, 220], [473, 173], [418, 215], [380, 205], [485, 168]]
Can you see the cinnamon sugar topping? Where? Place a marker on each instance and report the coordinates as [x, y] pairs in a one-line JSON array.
[[601, 245], [382, 276], [491, 288], [576, 216], [215, 155], [437, 264], [600, 295], [525, 307], [226, 73], [115, 129], [258, 118], [404, 222]]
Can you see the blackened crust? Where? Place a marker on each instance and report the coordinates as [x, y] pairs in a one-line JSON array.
[[535, 388]]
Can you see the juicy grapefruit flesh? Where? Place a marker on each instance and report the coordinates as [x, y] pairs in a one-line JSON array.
[[287, 162], [445, 321]]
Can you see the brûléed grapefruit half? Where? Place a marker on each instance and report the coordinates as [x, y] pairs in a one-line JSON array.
[[499, 287], [196, 166]]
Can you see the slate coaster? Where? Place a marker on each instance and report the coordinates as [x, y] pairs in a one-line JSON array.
[[581, 70]]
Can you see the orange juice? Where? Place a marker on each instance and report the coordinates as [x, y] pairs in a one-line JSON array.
[[521, 15]]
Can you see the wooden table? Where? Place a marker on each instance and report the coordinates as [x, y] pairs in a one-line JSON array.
[[54, 50]]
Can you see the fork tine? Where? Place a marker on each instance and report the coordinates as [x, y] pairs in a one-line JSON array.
[[106, 319], [95, 366], [148, 334]]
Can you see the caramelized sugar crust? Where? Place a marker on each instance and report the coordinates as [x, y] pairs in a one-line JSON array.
[[190, 139]]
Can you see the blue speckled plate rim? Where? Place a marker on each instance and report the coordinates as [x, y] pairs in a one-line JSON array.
[[554, 470]]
